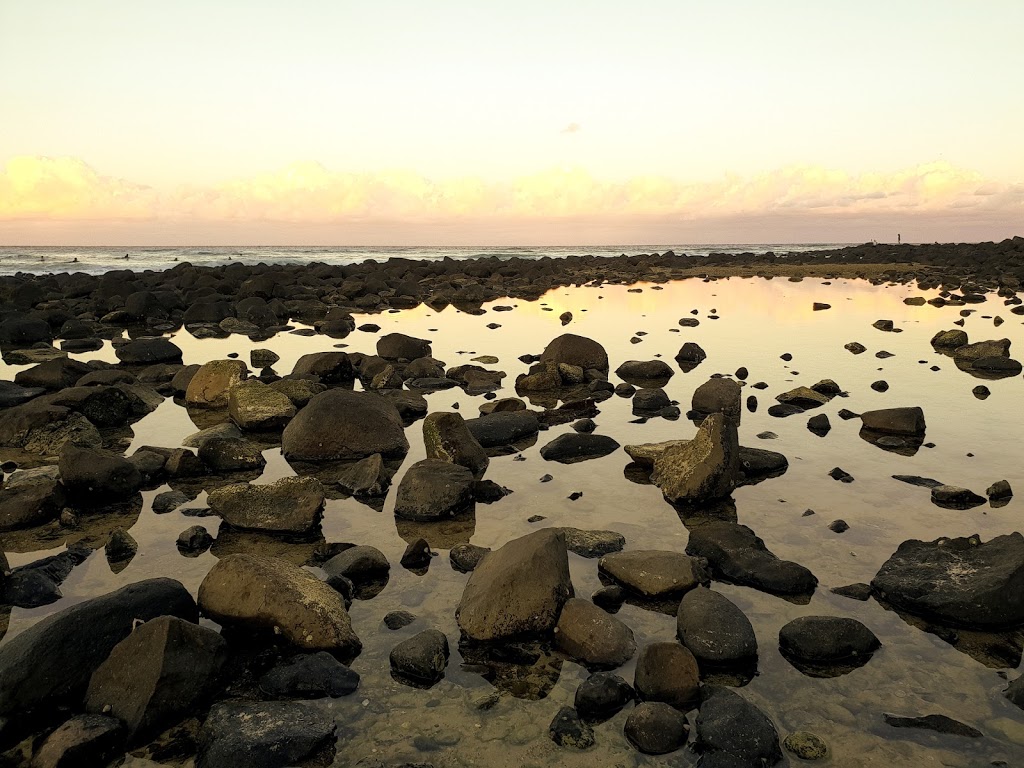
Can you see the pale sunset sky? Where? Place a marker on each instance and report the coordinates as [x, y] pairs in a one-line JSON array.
[[223, 122]]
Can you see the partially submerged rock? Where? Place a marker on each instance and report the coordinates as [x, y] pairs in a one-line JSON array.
[[339, 424], [289, 505], [705, 468], [715, 630], [433, 489], [592, 637], [654, 573], [264, 735], [447, 437]]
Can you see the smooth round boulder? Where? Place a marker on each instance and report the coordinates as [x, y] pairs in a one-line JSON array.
[[826, 640], [715, 630], [592, 636], [358, 563], [667, 672], [601, 696], [340, 424], [421, 659], [655, 728], [576, 350], [640, 372]]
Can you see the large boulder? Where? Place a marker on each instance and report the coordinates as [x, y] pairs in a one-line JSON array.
[[895, 421], [254, 406], [703, 469], [447, 437], [398, 346], [576, 350], [718, 395], [31, 497], [959, 582], [212, 383], [94, 477], [266, 593], [50, 663], [157, 675], [53, 374], [667, 672], [339, 424], [331, 368], [715, 630], [518, 589], [654, 573], [592, 636], [289, 505], [268, 734], [503, 427], [43, 429], [433, 489], [736, 554], [24, 331], [822, 640], [148, 351]]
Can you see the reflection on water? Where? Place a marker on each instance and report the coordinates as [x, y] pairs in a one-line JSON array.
[[494, 705]]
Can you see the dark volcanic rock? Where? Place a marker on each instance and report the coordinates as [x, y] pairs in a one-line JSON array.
[[705, 468], [954, 497], [30, 498], [718, 395], [338, 424], [503, 427], [736, 554], [655, 728], [447, 438], [895, 421], [93, 476], [568, 730], [592, 637], [715, 630], [398, 346], [422, 658], [517, 589], [957, 582], [641, 372], [729, 723], [148, 352], [573, 447], [264, 735], [84, 741], [689, 356], [433, 489], [50, 663], [601, 696], [576, 350], [667, 672], [826, 640], [157, 675]]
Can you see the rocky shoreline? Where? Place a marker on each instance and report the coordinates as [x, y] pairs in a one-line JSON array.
[[134, 670]]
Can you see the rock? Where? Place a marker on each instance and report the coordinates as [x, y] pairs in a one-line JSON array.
[[11, 394], [957, 582], [981, 392], [601, 696], [50, 663], [736, 554], [715, 630], [999, 491], [231, 455], [157, 675], [654, 573], [969, 354], [466, 557], [650, 401], [93, 476], [338, 424], [212, 383], [309, 676], [194, 540], [839, 526], [24, 330], [718, 395], [121, 547], [433, 489], [263, 358], [819, 424], [265, 593], [949, 339], [359, 563], [858, 591], [855, 347], [592, 637], [576, 350], [366, 478], [264, 735], [954, 497], [38, 583], [30, 497], [254, 406], [824, 640], [148, 352], [332, 369], [655, 728], [288, 505], [729, 723], [517, 589], [398, 346], [883, 325], [895, 421], [937, 723], [422, 658], [181, 462], [806, 745], [838, 473], [573, 447], [168, 501], [803, 397], [503, 428], [299, 391], [84, 741], [689, 356], [641, 372], [398, 619], [667, 672], [225, 430], [568, 730], [52, 375], [818, 306], [447, 438], [703, 469], [592, 543]]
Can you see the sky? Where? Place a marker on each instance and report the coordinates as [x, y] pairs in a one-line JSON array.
[[351, 123]]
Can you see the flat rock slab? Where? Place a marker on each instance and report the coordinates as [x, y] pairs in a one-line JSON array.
[[957, 582], [736, 554], [937, 723], [654, 573]]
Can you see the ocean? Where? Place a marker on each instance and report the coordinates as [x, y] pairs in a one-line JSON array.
[[98, 259]]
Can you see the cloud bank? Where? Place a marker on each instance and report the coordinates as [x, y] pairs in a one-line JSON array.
[[49, 199]]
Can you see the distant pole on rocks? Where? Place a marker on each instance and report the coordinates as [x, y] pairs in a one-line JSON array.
[[899, 237]]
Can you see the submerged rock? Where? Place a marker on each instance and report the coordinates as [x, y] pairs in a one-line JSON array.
[[264, 735], [421, 658], [824, 640], [602, 695], [568, 730], [517, 589], [937, 723], [729, 723], [667, 672], [655, 728]]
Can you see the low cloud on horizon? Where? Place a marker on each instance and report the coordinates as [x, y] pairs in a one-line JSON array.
[[63, 200]]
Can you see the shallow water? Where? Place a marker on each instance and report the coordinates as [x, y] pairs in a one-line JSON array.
[[914, 673]]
